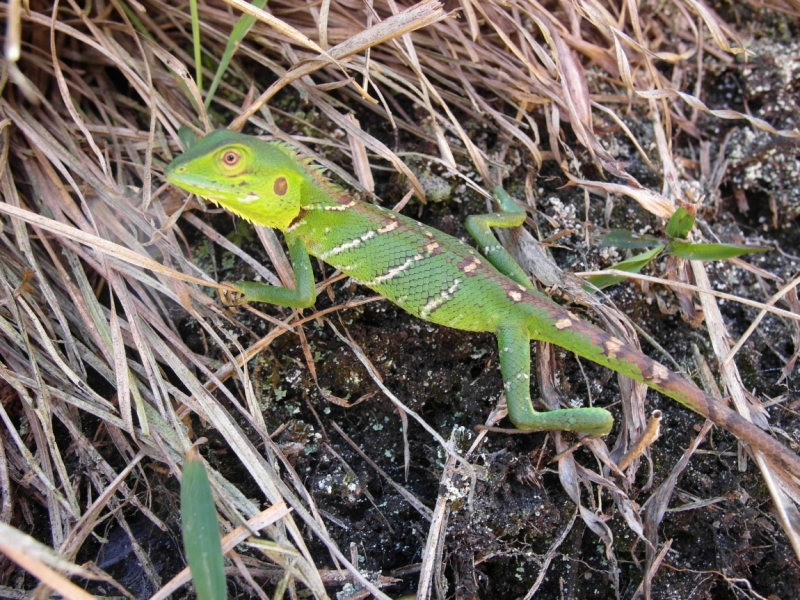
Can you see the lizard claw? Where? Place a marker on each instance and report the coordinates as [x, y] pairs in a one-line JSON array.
[[231, 297]]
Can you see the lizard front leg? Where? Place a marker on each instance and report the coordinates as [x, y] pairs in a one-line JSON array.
[[304, 296]]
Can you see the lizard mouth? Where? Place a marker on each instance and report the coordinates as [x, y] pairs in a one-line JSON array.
[[202, 186]]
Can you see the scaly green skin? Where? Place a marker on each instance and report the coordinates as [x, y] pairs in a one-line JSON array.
[[429, 274]]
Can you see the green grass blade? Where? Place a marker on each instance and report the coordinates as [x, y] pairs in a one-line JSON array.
[[634, 264], [680, 224], [710, 251], [198, 60], [240, 30], [622, 238], [201, 538], [136, 21]]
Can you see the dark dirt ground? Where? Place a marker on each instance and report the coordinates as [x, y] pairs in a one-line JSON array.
[[730, 547]]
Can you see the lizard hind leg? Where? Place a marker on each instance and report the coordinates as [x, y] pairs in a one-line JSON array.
[[515, 366]]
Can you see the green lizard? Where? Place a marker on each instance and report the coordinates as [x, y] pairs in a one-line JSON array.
[[429, 274]]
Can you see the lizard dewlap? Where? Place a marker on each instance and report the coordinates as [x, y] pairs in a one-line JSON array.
[[430, 274]]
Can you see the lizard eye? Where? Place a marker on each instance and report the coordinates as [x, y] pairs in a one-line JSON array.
[[231, 158]]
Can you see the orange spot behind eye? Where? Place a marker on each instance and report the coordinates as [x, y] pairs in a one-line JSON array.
[[281, 186]]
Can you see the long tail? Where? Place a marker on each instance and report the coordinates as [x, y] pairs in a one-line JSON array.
[[564, 329]]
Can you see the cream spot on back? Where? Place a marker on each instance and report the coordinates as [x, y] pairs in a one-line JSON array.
[[515, 295], [659, 373], [612, 346], [563, 323], [390, 227], [469, 265]]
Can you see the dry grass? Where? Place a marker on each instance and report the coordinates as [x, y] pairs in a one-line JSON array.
[[98, 383]]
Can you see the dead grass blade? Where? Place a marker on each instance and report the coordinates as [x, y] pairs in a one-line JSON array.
[[255, 524], [432, 566], [41, 562], [754, 412], [421, 15], [104, 246]]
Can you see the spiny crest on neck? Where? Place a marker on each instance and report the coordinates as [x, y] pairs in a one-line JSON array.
[[314, 170]]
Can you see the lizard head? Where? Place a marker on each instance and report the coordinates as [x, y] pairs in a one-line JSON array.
[[256, 180]]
